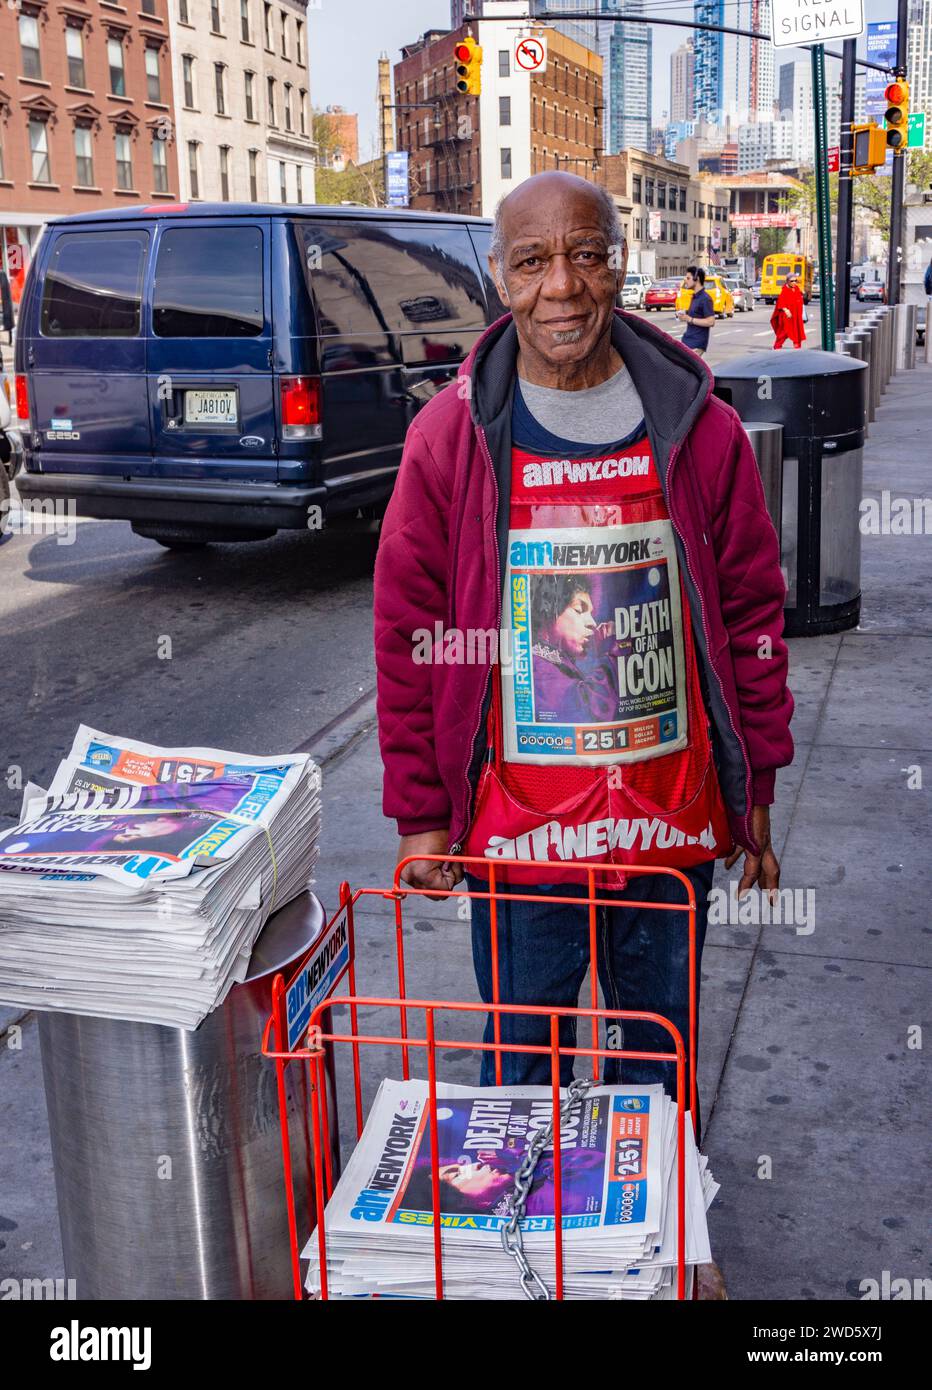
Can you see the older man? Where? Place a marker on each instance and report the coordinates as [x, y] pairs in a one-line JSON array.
[[582, 492]]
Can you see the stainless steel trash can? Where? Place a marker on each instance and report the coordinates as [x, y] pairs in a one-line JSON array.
[[767, 442], [818, 398], [167, 1144]]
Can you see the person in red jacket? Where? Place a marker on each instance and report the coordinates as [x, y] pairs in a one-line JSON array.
[[787, 317], [580, 440]]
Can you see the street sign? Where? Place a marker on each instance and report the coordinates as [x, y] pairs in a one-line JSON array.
[[530, 54], [799, 23], [834, 158], [917, 130]]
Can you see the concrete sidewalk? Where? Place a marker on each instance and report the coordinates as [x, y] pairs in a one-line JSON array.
[[811, 1091]]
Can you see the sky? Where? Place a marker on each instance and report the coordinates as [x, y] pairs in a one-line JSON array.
[[346, 37]]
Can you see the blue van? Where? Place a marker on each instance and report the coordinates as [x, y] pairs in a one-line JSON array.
[[218, 371]]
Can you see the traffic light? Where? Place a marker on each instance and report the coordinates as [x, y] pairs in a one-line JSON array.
[[896, 116], [468, 58], [868, 148]]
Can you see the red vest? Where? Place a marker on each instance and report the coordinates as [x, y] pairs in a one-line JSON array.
[[598, 740]]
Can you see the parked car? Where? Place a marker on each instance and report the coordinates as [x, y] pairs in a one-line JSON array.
[[634, 290], [220, 371], [741, 293], [871, 291], [758, 289], [662, 295], [817, 286], [722, 301]]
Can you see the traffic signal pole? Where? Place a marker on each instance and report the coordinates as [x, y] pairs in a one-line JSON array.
[[845, 186], [823, 204], [898, 178]]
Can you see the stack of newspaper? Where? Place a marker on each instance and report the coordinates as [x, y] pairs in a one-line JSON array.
[[619, 1209], [136, 885]]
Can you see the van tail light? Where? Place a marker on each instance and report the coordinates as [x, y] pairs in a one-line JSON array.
[[22, 397], [300, 398]]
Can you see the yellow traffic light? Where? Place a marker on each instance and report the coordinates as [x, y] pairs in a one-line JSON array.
[[468, 59], [868, 147], [896, 116]]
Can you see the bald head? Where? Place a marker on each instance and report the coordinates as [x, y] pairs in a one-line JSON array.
[[545, 193]]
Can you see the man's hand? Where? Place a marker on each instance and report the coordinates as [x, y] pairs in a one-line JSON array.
[[427, 873], [762, 869]]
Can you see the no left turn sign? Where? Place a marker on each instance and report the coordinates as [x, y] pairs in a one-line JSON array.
[[530, 54]]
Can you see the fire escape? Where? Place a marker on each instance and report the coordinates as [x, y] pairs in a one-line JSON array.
[[453, 182]]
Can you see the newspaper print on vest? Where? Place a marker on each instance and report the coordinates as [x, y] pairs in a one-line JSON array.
[[595, 669]]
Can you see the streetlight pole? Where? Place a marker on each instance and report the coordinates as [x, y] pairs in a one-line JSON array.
[[845, 186], [823, 206], [898, 178]]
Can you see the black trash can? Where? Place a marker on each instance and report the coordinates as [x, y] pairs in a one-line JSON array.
[[819, 398]]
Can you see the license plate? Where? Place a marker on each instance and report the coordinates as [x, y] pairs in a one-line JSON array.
[[210, 407]]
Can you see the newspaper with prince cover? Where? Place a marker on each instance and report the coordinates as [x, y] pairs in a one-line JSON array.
[[593, 668]]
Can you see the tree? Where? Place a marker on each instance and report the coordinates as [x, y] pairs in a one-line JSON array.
[[872, 194]]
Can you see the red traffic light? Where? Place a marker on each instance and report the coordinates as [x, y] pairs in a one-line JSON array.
[[895, 93], [462, 53]]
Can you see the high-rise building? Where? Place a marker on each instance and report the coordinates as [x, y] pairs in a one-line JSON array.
[[626, 52], [683, 82], [761, 93], [919, 61], [795, 87], [708, 59]]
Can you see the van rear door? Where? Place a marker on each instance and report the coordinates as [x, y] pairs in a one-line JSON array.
[[85, 352], [210, 351]]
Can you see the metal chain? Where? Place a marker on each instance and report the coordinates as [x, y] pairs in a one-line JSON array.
[[512, 1238]]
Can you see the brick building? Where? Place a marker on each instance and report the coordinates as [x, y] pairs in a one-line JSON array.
[[672, 218], [466, 152], [85, 114]]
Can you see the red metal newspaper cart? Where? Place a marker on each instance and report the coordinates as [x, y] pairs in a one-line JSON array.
[[302, 1031]]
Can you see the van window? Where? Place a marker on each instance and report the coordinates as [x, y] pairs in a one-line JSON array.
[[387, 278], [93, 285], [482, 241], [208, 283]]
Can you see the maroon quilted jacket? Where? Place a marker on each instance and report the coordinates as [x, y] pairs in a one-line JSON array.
[[441, 560]]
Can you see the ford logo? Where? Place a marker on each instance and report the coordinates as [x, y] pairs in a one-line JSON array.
[[252, 441]]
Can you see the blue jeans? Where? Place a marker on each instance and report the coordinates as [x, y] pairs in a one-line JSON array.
[[543, 951]]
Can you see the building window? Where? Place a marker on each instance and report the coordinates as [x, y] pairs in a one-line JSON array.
[[661, 194], [269, 35], [183, 11], [249, 83], [286, 102], [153, 80], [506, 163], [504, 63], [115, 60], [74, 47], [504, 110], [187, 72], [299, 42], [215, 17], [283, 180], [83, 156], [299, 170], [649, 192], [253, 176], [244, 21], [284, 18], [270, 90], [39, 152], [219, 92], [302, 110], [159, 166], [682, 200], [224, 173], [636, 188], [124, 160], [192, 169], [29, 44], [148, 6]]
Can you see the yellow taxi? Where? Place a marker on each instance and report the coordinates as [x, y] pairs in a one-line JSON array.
[[722, 301]]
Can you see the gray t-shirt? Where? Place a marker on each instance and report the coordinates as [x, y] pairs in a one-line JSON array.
[[596, 415]]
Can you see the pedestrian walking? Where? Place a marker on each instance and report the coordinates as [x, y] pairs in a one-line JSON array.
[[787, 319], [584, 426], [700, 314]]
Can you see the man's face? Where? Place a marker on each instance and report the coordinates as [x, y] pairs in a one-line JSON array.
[[691, 283], [559, 273]]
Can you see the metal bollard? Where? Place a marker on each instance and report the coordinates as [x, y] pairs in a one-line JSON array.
[[909, 339], [854, 343], [865, 339], [899, 337]]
